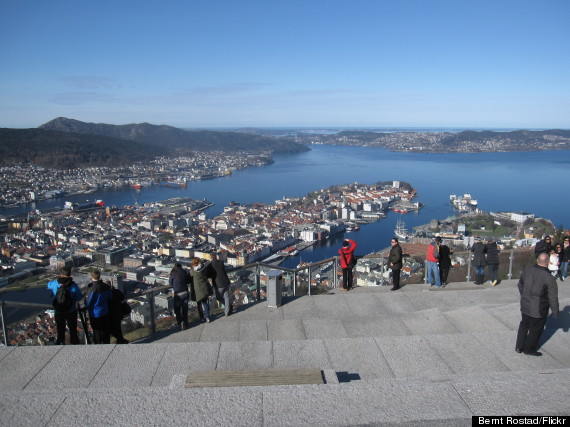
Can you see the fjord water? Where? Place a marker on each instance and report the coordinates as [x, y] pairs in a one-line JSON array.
[[521, 181]]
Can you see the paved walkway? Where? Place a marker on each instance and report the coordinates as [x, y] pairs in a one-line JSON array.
[[418, 356]]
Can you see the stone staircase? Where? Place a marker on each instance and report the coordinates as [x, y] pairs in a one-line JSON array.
[[418, 356]]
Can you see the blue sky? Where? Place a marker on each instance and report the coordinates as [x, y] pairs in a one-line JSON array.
[[349, 63]]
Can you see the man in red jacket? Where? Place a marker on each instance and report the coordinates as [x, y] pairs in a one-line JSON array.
[[347, 262]]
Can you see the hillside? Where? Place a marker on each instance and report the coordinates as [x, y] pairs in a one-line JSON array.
[[179, 140]]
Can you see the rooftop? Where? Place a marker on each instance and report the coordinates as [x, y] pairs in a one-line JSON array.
[[418, 356]]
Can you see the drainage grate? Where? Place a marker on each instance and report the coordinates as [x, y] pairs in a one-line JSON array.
[[262, 377]]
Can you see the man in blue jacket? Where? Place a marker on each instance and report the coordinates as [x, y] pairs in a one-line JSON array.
[[69, 316], [97, 300]]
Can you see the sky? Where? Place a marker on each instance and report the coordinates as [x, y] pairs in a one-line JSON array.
[[287, 63]]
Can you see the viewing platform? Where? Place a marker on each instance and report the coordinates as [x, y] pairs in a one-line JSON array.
[[417, 356]]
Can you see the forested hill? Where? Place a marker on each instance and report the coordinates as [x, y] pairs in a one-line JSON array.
[[178, 140]]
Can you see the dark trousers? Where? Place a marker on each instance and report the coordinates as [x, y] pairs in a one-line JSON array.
[[396, 278], [69, 319], [493, 272], [443, 273], [116, 330], [530, 330], [101, 329], [347, 278], [181, 307]]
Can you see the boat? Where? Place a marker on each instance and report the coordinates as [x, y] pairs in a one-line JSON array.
[[400, 230], [136, 186], [464, 203], [174, 184]]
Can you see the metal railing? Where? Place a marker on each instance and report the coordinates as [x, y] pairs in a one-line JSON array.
[[315, 278]]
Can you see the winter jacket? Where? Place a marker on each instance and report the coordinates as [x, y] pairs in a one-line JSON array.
[[395, 257], [444, 256], [565, 255], [539, 291], [178, 280], [541, 247], [200, 282], [97, 299], [346, 253], [218, 273], [492, 253], [479, 250], [433, 252], [74, 291]]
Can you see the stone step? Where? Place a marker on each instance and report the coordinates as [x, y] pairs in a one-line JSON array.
[[401, 402]]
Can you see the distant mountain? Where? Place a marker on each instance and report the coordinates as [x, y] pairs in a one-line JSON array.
[[448, 142], [68, 150], [176, 139]]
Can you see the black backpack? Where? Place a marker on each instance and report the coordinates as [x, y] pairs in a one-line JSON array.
[[63, 300]]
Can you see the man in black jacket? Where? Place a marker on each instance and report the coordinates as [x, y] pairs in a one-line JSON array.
[[395, 263], [221, 282], [539, 291]]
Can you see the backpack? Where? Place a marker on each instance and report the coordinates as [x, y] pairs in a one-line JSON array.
[[63, 300]]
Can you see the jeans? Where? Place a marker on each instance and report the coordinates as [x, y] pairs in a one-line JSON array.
[[432, 269], [493, 270], [204, 308], [480, 270], [564, 269], [180, 303], [223, 294]]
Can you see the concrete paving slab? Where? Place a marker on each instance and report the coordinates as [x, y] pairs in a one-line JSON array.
[[220, 331], [300, 354], [537, 393], [23, 410], [362, 404], [556, 343], [428, 322], [363, 305], [502, 344], [474, 319], [184, 358], [234, 356], [4, 351], [252, 330], [258, 311], [413, 357], [324, 328], [375, 327], [192, 334], [22, 364], [169, 407], [73, 366], [396, 303], [299, 308], [129, 366], [509, 315], [464, 354], [333, 306], [358, 356], [284, 330]]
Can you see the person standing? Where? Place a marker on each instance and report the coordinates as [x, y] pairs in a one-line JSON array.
[[492, 251], [444, 263], [539, 291], [97, 302], [65, 305], [553, 262], [564, 258], [432, 260], [202, 288], [116, 314], [347, 262], [395, 263], [221, 283], [543, 246], [178, 280], [479, 261]]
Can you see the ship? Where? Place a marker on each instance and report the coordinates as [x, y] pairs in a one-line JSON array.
[[87, 206], [174, 184], [465, 203], [400, 231], [136, 186]]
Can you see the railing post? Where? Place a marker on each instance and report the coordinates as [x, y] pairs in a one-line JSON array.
[[258, 281], [151, 306], [511, 259], [2, 305], [309, 280], [468, 277], [335, 272], [294, 283]]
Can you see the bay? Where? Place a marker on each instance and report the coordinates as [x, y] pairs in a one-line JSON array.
[[520, 181]]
